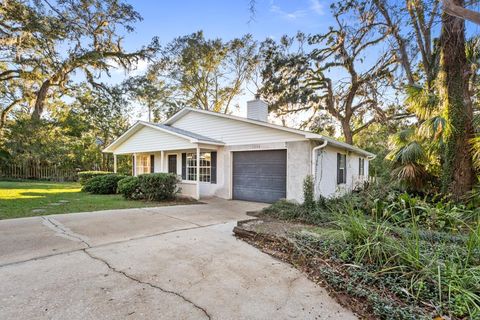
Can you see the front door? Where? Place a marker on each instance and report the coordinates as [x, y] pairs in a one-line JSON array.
[[172, 163]]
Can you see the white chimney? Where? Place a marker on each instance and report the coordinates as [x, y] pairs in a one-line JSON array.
[[257, 109]]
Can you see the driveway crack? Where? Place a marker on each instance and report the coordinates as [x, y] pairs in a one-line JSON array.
[[128, 276], [64, 231]]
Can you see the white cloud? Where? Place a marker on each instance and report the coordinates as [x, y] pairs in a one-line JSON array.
[[137, 69], [293, 15], [317, 7], [140, 68]]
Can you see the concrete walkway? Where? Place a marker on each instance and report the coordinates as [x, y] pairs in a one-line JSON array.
[[179, 262]]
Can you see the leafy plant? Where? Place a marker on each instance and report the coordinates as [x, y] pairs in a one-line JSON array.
[[308, 193], [129, 187], [85, 176], [103, 184], [159, 186]]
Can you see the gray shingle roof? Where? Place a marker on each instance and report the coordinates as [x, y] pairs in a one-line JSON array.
[[186, 133]]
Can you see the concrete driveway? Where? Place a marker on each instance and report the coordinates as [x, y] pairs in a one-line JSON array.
[[179, 262]]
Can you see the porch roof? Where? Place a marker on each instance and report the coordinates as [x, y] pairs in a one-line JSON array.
[[176, 133], [187, 133]]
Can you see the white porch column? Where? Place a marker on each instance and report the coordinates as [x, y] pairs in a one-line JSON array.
[[114, 163], [198, 173], [162, 161]]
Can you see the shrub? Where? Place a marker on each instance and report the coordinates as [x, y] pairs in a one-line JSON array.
[[159, 186], [129, 187], [103, 184], [284, 209], [84, 176], [308, 193]]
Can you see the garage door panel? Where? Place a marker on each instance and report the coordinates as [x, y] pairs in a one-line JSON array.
[[259, 175], [272, 170]]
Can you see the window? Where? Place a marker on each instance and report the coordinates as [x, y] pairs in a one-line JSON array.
[[361, 167], [341, 168], [205, 166], [142, 164]]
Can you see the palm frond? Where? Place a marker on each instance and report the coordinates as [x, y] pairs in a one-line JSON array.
[[411, 174], [476, 151], [422, 102], [433, 128]]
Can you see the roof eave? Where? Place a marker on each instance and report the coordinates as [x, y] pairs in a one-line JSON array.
[[339, 144]]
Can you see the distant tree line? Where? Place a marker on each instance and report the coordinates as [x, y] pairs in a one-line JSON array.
[[399, 78]]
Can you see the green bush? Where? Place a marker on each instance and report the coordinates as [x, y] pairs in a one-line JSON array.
[[288, 210], [159, 186], [129, 187], [284, 209], [84, 176], [103, 184], [308, 193]]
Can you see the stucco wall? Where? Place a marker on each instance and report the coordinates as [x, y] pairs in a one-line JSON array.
[[298, 167], [188, 189], [224, 171], [299, 157], [326, 172]]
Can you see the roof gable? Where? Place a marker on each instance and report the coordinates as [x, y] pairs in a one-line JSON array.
[[189, 137], [305, 134], [233, 132]]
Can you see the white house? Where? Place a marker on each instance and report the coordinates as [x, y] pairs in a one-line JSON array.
[[242, 158]]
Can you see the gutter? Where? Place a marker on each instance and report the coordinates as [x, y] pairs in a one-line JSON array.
[[314, 154]]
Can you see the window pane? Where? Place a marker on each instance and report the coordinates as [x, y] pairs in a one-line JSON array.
[[204, 166]]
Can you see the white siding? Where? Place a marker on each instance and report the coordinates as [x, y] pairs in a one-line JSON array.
[[232, 132], [149, 140]]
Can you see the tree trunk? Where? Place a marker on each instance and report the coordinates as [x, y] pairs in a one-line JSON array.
[[4, 114], [347, 132], [458, 174], [40, 101]]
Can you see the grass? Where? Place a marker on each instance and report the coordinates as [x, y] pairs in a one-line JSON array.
[[35, 198]]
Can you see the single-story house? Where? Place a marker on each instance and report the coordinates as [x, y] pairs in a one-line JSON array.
[[240, 158]]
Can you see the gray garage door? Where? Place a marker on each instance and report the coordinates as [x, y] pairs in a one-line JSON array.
[[260, 175]]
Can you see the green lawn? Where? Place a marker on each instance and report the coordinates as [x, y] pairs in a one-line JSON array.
[[35, 198]]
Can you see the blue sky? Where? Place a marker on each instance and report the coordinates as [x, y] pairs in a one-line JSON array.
[[228, 19], [225, 19]]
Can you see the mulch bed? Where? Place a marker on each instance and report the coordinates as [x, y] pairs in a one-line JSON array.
[[271, 237]]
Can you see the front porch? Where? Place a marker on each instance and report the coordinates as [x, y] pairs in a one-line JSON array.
[[198, 178], [160, 148]]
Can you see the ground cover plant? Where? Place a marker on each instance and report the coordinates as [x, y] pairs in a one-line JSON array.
[[406, 256], [35, 198]]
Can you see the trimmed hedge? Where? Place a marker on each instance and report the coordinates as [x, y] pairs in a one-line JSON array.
[[84, 176], [159, 186], [103, 184], [152, 186], [129, 187]]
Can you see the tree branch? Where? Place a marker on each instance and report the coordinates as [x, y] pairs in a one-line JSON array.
[[461, 12]]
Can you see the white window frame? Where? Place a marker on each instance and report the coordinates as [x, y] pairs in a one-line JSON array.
[[205, 166], [361, 167], [342, 169], [142, 164]]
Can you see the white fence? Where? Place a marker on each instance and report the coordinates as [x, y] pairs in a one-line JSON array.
[[53, 172]]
